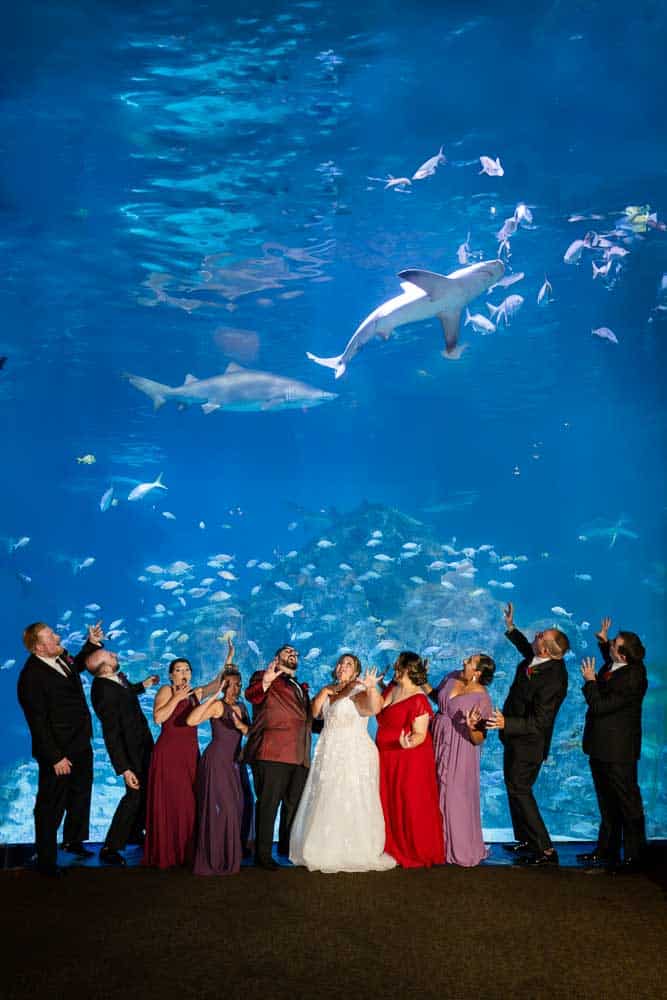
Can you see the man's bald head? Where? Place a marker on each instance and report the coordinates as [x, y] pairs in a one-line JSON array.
[[102, 662]]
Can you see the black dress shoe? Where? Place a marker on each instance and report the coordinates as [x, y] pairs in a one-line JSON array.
[[109, 857], [541, 861], [268, 864], [76, 847], [520, 848]]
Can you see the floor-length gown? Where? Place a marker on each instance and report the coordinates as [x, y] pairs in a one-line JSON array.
[[457, 770], [408, 787], [170, 806], [339, 826], [219, 801]]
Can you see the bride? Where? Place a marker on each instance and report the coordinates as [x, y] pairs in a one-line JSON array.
[[339, 826]]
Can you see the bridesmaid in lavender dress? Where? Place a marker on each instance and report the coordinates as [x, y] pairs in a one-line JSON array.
[[458, 730], [220, 801]]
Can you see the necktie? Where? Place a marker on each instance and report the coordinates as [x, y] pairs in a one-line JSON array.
[[123, 679], [60, 660]]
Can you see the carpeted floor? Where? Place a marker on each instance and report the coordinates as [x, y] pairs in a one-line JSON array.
[[489, 932]]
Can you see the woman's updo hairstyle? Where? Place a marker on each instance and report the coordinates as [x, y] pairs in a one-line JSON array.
[[179, 659], [412, 665], [487, 668]]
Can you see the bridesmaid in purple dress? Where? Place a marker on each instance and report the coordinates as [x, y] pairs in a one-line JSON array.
[[220, 800], [458, 730]]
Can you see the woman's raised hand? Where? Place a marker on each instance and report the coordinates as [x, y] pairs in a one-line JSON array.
[[370, 679]]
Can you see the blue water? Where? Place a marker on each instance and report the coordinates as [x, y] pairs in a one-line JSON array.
[[189, 185]]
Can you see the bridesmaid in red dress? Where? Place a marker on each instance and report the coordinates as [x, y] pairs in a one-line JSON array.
[[171, 806], [408, 786]]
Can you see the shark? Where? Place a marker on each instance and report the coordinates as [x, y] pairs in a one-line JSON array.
[[238, 389], [425, 295]]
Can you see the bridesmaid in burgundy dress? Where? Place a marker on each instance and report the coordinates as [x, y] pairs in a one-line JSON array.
[[170, 808], [220, 799], [408, 787]]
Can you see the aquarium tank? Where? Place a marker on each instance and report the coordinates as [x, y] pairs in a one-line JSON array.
[[337, 324]]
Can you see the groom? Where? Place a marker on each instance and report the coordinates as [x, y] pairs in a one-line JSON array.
[[278, 749]]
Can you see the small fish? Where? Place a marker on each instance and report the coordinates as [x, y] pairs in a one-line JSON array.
[[225, 574], [381, 557], [508, 567], [601, 271], [417, 579], [313, 653], [523, 215], [477, 592], [168, 515], [373, 543], [393, 182], [447, 584], [207, 581], [605, 334], [345, 567], [292, 554], [197, 592], [172, 636], [545, 294], [169, 585], [410, 545], [573, 253], [254, 647], [324, 543], [376, 534], [437, 564], [202, 524], [266, 566], [86, 460], [84, 564], [154, 569], [584, 626], [508, 585], [183, 637], [293, 525], [93, 607], [219, 595], [585, 577], [179, 567], [289, 610], [281, 585], [507, 308], [320, 581], [443, 623], [67, 615], [388, 644], [251, 563], [507, 280], [158, 633], [160, 609], [491, 167], [429, 167], [301, 636], [7, 665], [557, 610], [20, 544], [105, 501], [140, 491], [480, 324], [255, 590]]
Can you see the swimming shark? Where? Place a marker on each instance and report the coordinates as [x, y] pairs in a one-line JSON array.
[[425, 295], [239, 389]]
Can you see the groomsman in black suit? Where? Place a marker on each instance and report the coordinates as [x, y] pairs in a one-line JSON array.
[[52, 698], [129, 743], [612, 741], [526, 726]]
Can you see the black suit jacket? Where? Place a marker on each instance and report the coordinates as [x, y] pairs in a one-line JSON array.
[[126, 732], [532, 703], [55, 707], [613, 727]]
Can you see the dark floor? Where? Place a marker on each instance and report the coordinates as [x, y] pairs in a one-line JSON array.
[[489, 932]]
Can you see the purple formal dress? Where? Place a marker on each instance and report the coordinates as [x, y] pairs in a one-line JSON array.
[[457, 769], [219, 801]]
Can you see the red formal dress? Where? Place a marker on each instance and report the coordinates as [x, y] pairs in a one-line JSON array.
[[408, 788], [171, 804]]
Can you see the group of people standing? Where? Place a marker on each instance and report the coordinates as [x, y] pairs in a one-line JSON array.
[[410, 798]]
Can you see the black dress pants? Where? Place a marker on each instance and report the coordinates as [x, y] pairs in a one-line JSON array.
[[65, 795], [276, 783], [520, 776], [129, 820], [621, 809]]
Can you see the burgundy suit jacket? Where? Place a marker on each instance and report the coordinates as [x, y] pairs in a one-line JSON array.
[[282, 722]]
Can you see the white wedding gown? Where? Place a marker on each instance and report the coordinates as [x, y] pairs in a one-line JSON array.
[[339, 826]]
